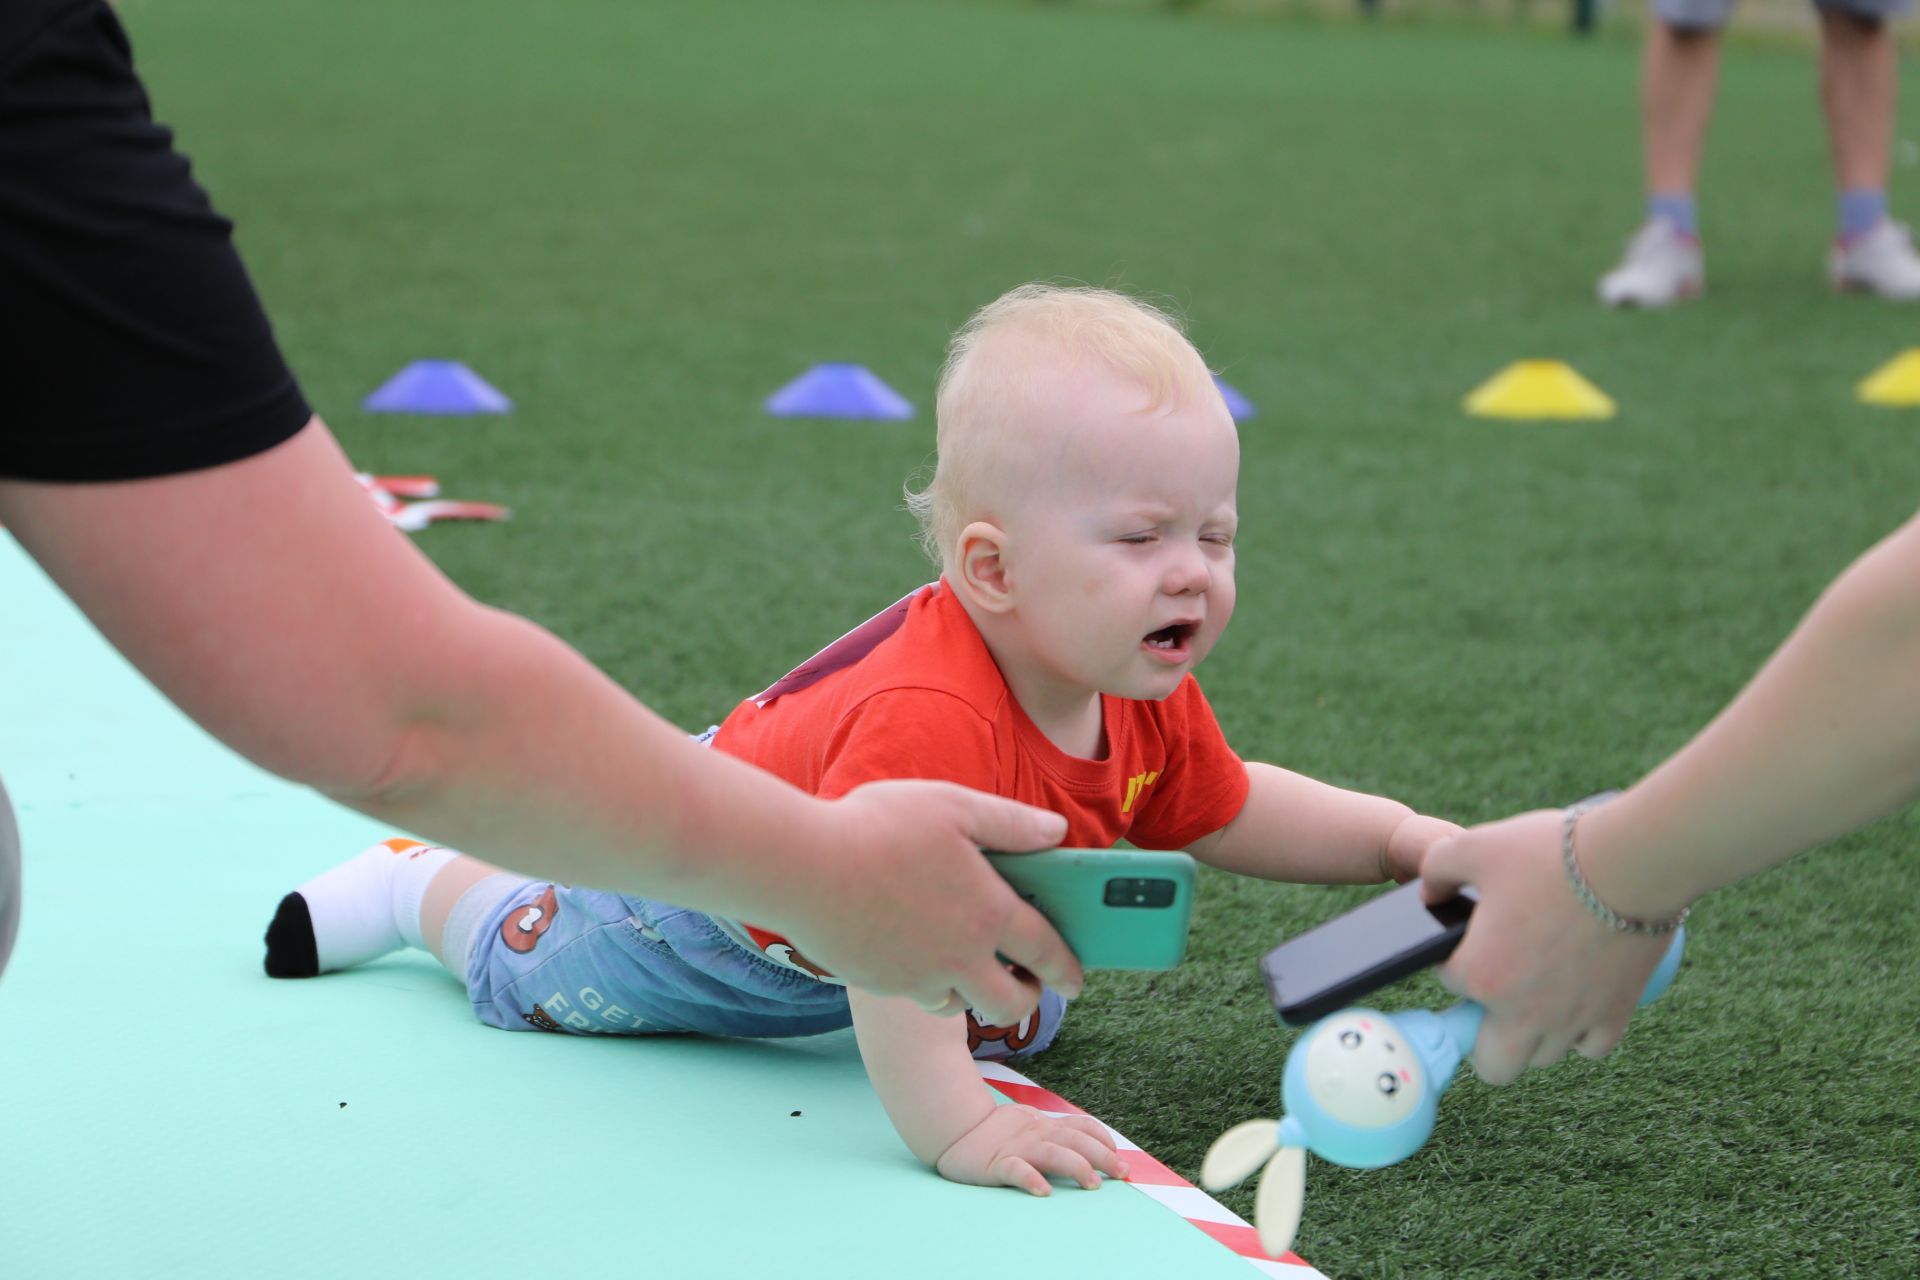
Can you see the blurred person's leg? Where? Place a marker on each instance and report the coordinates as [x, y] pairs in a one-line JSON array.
[[1859, 87], [1679, 74], [1859, 84]]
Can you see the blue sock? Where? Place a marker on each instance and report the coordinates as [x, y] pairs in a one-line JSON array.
[[1859, 209], [1676, 208]]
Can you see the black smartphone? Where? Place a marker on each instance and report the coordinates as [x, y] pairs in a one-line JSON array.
[[1340, 962]]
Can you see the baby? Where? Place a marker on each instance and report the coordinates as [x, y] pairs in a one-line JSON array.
[[1082, 512]]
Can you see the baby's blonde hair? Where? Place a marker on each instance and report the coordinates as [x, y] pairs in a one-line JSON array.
[[977, 387]]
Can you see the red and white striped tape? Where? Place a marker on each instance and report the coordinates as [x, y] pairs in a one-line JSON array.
[[1159, 1183], [410, 516]]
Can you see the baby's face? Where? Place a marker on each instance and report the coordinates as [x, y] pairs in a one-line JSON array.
[[1122, 555]]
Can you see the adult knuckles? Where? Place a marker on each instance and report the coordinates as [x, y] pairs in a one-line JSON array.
[[1480, 978]]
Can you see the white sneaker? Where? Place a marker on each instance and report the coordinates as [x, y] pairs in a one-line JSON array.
[[1881, 260], [1662, 266]]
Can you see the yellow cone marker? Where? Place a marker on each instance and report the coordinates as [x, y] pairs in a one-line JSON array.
[[1536, 389], [1897, 382]]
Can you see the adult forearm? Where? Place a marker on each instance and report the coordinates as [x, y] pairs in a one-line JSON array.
[[519, 751], [1824, 739], [277, 608]]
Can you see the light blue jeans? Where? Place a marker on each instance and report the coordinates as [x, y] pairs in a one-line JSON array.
[[552, 958], [581, 961]]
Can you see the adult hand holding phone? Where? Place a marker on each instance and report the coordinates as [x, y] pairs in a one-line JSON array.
[[1822, 740], [918, 898], [1553, 977]]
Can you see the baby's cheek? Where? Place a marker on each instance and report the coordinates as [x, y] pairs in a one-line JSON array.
[[1220, 601], [1219, 609]]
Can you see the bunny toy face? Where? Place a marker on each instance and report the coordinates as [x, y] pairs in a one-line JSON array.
[[1362, 1072], [1358, 1090]]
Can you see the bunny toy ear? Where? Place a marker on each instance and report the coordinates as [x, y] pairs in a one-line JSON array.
[[1283, 1192], [1236, 1153]]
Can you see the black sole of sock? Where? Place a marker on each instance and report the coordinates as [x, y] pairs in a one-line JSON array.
[[291, 952]]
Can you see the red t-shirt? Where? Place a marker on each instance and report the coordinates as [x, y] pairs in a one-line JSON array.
[[929, 702]]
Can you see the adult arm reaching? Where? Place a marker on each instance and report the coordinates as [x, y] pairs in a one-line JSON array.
[[277, 608], [1826, 738]]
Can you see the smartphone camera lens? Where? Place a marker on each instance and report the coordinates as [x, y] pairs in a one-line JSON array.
[[1139, 891]]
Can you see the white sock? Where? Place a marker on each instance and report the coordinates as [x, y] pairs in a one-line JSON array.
[[370, 904]]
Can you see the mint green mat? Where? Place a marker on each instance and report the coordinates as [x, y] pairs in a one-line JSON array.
[[171, 1111]]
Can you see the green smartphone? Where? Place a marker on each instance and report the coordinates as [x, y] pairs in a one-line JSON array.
[[1116, 908]]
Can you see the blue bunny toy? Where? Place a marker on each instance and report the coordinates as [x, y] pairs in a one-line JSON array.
[[1361, 1089]]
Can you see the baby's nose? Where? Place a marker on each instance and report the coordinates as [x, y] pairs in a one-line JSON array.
[[1189, 574]]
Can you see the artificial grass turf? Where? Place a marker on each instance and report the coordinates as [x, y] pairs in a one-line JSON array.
[[639, 219]]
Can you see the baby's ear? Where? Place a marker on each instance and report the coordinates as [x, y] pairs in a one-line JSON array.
[[982, 567]]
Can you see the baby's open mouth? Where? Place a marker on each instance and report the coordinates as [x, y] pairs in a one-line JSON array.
[[1173, 637]]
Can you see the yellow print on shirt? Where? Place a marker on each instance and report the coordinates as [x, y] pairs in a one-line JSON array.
[[1136, 785]]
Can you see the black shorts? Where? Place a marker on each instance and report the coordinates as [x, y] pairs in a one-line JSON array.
[[131, 341]]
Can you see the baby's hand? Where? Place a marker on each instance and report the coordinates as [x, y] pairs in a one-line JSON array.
[[1408, 845], [1017, 1146]]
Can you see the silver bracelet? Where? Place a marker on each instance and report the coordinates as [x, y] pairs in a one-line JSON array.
[[1584, 891]]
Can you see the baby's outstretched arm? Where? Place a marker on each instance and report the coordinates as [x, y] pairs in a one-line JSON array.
[[947, 1116], [1295, 828]]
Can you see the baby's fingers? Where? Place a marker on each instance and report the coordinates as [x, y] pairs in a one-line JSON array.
[[1097, 1149], [1059, 1160], [1012, 1171]]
